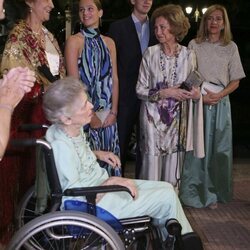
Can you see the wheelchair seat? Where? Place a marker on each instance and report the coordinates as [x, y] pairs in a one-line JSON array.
[[130, 230], [48, 188]]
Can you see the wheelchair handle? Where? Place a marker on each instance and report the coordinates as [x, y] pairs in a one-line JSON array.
[[30, 142], [31, 127], [23, 142]]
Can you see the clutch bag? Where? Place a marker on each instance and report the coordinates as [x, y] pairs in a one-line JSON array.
[[194, 79], [213, 87], [102, 114]]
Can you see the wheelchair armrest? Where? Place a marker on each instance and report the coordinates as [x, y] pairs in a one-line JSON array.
[[91, 192], [84, 191]]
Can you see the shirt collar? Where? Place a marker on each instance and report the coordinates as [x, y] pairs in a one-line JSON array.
[[136, 20]]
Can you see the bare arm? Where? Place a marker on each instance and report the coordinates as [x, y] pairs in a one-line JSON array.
[[5, 114], [72, 51], [13, 86], [213, 98], [111, 119]]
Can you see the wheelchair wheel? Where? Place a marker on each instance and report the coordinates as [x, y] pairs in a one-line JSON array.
[[25, 211], [66, 230]]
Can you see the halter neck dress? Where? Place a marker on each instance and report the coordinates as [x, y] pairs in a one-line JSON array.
[[95, 70]]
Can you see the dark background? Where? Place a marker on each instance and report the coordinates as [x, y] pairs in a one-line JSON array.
[[238, 11]]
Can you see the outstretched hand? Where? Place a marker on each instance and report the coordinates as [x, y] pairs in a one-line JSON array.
[[15, 84], [25, 77]]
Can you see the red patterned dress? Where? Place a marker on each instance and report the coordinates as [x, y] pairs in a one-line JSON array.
[[17, 168]]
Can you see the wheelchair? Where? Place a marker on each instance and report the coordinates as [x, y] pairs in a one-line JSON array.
[[84, 227]]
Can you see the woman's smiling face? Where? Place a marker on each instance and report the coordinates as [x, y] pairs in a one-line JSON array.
[[41, 9], [89, 13]]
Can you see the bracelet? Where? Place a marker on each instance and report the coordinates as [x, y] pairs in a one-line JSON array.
[[113, 113], [6, 106], [155, 97]]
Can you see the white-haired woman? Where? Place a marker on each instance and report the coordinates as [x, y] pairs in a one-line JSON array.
[[67, 107]]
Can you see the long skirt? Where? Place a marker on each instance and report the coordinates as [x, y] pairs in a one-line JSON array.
[[162, 168], [208, 180]]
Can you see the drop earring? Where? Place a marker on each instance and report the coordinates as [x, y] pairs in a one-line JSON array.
[[100, 22]]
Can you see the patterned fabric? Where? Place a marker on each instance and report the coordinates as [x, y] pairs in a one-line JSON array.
[[24, 48], [95, 70], [160, 119], [17, 169], [163, 122]]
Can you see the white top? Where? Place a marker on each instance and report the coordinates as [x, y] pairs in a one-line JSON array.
[[217, 63]]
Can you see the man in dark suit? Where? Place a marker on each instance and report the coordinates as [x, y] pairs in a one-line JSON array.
[[132, 35]]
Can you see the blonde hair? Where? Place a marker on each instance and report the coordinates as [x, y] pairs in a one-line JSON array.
[[225, 36], [175, 16]]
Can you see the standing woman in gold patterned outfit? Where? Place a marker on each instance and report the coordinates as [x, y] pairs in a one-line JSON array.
[[31, 45]]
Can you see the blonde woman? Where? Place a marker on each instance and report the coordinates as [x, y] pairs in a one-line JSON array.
[[209, 180]]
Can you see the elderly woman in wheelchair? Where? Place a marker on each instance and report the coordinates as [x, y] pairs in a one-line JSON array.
[[67, 107], [132, 208]]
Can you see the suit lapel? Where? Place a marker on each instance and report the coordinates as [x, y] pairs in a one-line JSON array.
[[133, 37]]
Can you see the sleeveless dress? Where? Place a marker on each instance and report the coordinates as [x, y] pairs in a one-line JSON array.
[[95, 70]]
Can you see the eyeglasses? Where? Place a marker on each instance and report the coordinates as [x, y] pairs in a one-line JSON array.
[[216, 19]]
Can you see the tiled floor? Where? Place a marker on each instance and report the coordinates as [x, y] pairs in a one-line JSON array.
[[228, 226]]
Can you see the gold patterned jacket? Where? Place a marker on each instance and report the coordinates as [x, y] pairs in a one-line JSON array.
[[24, 48]]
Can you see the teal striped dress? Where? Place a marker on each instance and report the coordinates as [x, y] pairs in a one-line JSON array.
[[95, 70]]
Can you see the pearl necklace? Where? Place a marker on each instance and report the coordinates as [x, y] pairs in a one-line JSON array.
[[79, 143]]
